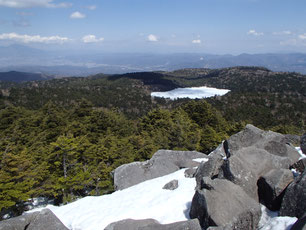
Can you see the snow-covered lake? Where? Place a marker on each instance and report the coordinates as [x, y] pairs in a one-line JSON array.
[[192, 93]]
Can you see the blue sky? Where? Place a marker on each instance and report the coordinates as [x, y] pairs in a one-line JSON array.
[[163, 26]]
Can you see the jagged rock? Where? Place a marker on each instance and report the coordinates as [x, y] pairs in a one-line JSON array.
[[220, 202], [190, 172], [150, 224], [211, 167], [248, 164], [130, 224], [303, 143], [294, 201], [271, 187], [274, 143], [300, 224], [18, 223], [44, 219], [162, 163], [172, 185]]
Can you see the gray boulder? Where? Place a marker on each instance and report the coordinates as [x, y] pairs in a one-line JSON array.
[[190, 172], [220, 202], [18, 223], [248, 164], [162, 163], [150, 224], [272, 142], [172, 185], [294, 201], [44, 219], [182, 225], [271, 187], [130, 224], [211, 168], [303, 143]]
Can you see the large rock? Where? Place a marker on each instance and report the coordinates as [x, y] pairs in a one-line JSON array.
[[274, 143], [294, 201], [248, 164], [300, 224], [271, 187], [220, 202], [182, 225], [172, 185], [303, 143], [18, 223], [211, 168], [162, 163], [130, 224], [44, 219], [150, 224]]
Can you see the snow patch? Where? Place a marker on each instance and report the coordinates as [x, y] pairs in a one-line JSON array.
[[145, 200], [302, 155], [200, 160], [192, 93], [271, 221]]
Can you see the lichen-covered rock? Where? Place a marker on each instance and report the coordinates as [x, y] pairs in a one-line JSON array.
[[220, 202], [271, 187], [162, 163], [294, 200]]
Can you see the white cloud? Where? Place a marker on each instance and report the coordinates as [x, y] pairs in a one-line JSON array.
[[196, 41], [92, 7], [91, 39], [152, 38], [284, 32], [33, 3], [302, 36], [253, 32], [291, 42], [77, 15], [33, 39]]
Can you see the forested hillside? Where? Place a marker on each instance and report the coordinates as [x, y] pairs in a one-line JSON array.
[[61, 138]]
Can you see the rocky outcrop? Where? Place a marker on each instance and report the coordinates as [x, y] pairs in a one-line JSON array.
[[294, 201], [220, 202], [150, 224], [271, 187], [172, 185], [44, 219], [162, 163]]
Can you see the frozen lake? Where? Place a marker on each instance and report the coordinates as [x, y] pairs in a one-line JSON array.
[[192, 93]]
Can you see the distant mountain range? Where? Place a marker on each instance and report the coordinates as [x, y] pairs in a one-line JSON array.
[[14, 76], [66, 63]]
